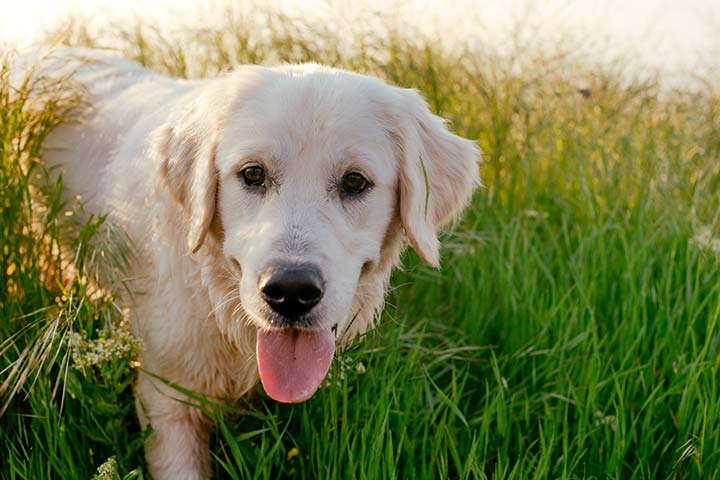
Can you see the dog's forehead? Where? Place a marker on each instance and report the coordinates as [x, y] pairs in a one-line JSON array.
[[331, 114]]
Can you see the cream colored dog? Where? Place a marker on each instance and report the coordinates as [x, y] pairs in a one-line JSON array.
[[268, 206]]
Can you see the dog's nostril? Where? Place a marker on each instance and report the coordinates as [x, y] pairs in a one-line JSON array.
[[309, 294], [291, 291], [273, 292]]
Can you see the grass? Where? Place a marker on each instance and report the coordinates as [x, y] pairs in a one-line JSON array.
[[572, 331]]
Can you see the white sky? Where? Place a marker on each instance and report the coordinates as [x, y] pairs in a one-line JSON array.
[[670, 35]]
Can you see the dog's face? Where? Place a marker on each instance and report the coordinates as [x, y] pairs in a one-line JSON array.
[[307, 186], [303, 170]]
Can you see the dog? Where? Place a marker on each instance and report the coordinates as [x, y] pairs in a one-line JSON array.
[[268, 207]]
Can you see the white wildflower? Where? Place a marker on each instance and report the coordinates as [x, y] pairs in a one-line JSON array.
[[344, 365], [107, 471], [535, 214], [610, 420], [704, 239], [118, 344]]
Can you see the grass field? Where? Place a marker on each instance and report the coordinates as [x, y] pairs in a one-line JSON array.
[[572, 331]]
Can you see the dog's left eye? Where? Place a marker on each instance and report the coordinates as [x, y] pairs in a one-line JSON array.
[[254, 176], [354, 183]]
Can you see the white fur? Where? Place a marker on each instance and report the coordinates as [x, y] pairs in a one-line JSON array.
[[162, 157]]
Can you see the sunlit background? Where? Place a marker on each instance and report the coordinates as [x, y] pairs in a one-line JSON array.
[[668, 35]]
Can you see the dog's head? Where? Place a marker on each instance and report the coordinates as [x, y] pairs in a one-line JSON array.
[[301, 175]]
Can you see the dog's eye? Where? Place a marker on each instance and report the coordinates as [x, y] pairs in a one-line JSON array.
[[254, 176], [354, 183]]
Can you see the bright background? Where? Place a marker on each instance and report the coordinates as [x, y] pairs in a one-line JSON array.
[[667, 35]]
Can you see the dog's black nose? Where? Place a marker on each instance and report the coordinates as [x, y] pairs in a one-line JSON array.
[[291, 291]]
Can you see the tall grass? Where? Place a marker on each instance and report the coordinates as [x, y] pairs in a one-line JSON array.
[[58, 416], [572, 331]]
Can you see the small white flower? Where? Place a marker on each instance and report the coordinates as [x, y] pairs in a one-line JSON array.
[[704, 239], [535, 214], [118, 344], [360, 368], [107, 470], [610, 420]]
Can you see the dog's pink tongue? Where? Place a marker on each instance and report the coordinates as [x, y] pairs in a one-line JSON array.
[[293, 363]]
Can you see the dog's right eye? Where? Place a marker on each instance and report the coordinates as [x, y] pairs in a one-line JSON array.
[[254, 176], [354, 183]]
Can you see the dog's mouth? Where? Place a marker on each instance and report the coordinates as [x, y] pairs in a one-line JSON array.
[[293, 362]]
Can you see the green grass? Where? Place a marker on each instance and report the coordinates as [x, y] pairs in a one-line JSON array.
[[572, 331]]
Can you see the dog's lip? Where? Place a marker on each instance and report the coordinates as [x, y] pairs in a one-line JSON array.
[[298, 328], [269, 320], [266, 326]]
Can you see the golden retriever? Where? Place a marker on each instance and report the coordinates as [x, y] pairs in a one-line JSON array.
[[268, 207]]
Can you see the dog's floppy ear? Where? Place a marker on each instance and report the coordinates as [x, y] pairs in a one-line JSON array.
[[186, 146], [438, 173]]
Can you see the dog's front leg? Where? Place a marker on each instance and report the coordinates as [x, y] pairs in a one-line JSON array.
[[177, 448]]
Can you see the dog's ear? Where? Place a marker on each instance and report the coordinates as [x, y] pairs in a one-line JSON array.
[[438, 172], [186, 146]]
